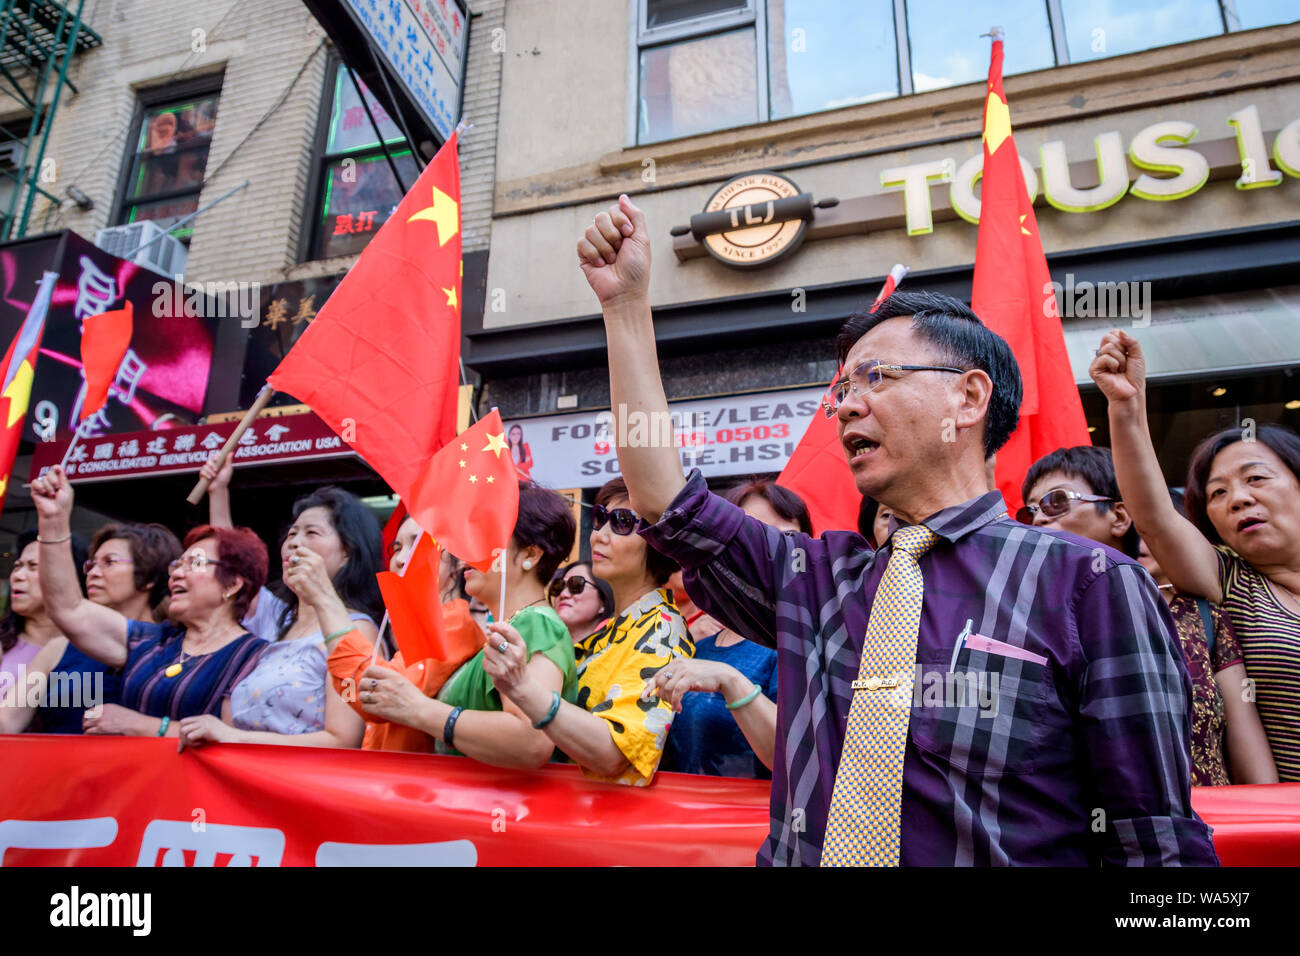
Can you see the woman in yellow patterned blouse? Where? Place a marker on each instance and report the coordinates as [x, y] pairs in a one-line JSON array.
[[612, 733]]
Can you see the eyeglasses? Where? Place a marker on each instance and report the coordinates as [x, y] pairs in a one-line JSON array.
[[104, 563], [620, 520], [869, 376], [1054, 504], [194, 562], [575, 584]]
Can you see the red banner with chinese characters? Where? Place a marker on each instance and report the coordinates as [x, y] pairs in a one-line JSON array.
[[271, 439], [116, 801]]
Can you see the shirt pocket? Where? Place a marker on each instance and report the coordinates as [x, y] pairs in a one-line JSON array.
[[988, 715]]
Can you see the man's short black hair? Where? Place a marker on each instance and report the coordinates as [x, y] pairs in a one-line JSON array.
[[1092, 465], [964, 342]]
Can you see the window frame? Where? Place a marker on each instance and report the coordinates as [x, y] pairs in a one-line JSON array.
[[321, 159], [147, 99], [753, 16], [642, 38]]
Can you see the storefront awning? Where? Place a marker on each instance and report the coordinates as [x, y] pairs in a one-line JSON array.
[[1220, 334]]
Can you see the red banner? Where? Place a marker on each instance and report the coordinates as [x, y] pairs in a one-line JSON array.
[[123, 801]]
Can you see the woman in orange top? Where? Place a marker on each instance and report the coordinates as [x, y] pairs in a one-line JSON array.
[[353, 654]]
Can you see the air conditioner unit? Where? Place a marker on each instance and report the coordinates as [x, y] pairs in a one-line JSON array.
[[11, 154], [164, 254]]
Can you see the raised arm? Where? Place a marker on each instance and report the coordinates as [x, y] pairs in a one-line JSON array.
[[1177, 546], [615, 257], [219, 515], [97, 631]]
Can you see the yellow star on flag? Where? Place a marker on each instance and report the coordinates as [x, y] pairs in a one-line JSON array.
[[462, 463], [473, 479], [444, 213], [464, 447], [1022, 225], [997, 122], [451, 297], [18, 393], [496, 444], [491, 478]]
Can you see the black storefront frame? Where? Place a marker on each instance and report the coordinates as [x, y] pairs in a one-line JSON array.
[[1201, 264]]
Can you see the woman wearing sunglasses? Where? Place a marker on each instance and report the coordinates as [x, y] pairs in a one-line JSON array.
[[611, 732], [471, 714], [1074, 489], [583, 601], [127, 572], [171, 670], [354, 653]]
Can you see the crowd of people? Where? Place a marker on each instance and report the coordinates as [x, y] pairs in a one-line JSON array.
[[1142, 639]]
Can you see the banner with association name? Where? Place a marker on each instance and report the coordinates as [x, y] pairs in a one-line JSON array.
[[269, 440], [121, 801]]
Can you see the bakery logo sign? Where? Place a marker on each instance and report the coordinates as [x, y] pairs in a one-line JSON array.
[[753, 220]]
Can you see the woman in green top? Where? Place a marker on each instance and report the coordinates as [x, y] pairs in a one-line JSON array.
[[468, 717]]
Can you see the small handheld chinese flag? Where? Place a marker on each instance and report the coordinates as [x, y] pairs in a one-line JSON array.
[[818, 471], [1012, 294], [468, 496], [415, 612], [104, 340]]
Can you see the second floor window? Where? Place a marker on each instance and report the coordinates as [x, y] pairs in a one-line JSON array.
[[357, 191], [168, 159], [705, 65]]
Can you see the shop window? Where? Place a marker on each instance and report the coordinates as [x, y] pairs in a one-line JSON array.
[[168, 159], [1095, 29], [356, 191]]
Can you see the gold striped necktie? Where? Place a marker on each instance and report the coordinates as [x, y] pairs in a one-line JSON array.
[[864, 821]]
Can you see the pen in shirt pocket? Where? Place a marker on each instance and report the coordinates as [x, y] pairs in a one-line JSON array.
[[961, 642]]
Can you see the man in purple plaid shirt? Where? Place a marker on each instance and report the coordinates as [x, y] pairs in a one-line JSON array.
[[1049, 716]]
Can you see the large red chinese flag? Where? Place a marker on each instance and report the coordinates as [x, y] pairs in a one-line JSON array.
[[818, 471], [1012, 293], [468, 496], [104, 341], [18, 369], [380, 361], [414, 610]]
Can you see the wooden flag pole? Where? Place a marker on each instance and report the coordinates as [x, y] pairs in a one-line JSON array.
[[501, 609], [264, 396], [67, 452]]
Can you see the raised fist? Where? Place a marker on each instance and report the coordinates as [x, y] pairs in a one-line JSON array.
[[614, 253]]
